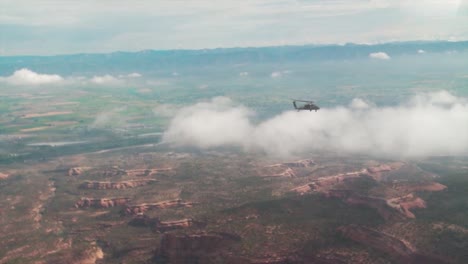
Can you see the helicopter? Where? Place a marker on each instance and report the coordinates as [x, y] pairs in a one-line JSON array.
[[309, 105]]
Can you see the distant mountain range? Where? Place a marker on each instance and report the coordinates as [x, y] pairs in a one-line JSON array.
[[151, 60]]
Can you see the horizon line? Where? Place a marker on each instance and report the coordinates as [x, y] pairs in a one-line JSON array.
[[242, 47]]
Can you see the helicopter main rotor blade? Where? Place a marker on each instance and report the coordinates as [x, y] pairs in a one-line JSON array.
[[304, 101]]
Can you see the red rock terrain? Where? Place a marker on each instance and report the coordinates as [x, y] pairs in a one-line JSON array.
[[385, 206], [378, 204], [145, 172], [323, 184], [76, 171], [115, 171], [295, 164], [4, 176], [417, 187], [303, 189], [405, 203], [101, 202], [141, 208], [376, 171], [178, 224], [288, 173], [101, 185], [109, 172], [156, 224], [285, 169]]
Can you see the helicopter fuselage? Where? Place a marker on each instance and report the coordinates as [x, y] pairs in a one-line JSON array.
[[307, 106]]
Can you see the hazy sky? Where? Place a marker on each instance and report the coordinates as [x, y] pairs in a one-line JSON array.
[[44, 27]]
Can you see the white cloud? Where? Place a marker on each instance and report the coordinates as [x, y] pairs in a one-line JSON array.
[[379, 56], [441, 98], [276, 74], [243, 74], [28, 77], [428, 124], [358, 103], [134, 75], [105, 80], [210, 124], [421, 51], [130, 75]]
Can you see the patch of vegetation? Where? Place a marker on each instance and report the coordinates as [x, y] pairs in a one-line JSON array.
[[449, 206]]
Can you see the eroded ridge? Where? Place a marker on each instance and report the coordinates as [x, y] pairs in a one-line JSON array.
[[305, 163], [86, 202], [285, 169], [141, 208], [393, 207], [115, 171], [287, 173], [323, 184], [379, 204], [105, 185], [146, 172], [405, 203], [162, 226]]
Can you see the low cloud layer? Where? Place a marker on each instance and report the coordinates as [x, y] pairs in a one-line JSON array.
[[379, 56], [210, 124], [105, 80], [28, 77], [426, 125], [134, 75]]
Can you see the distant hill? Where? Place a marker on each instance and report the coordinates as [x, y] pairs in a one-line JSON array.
[[151, 60]]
